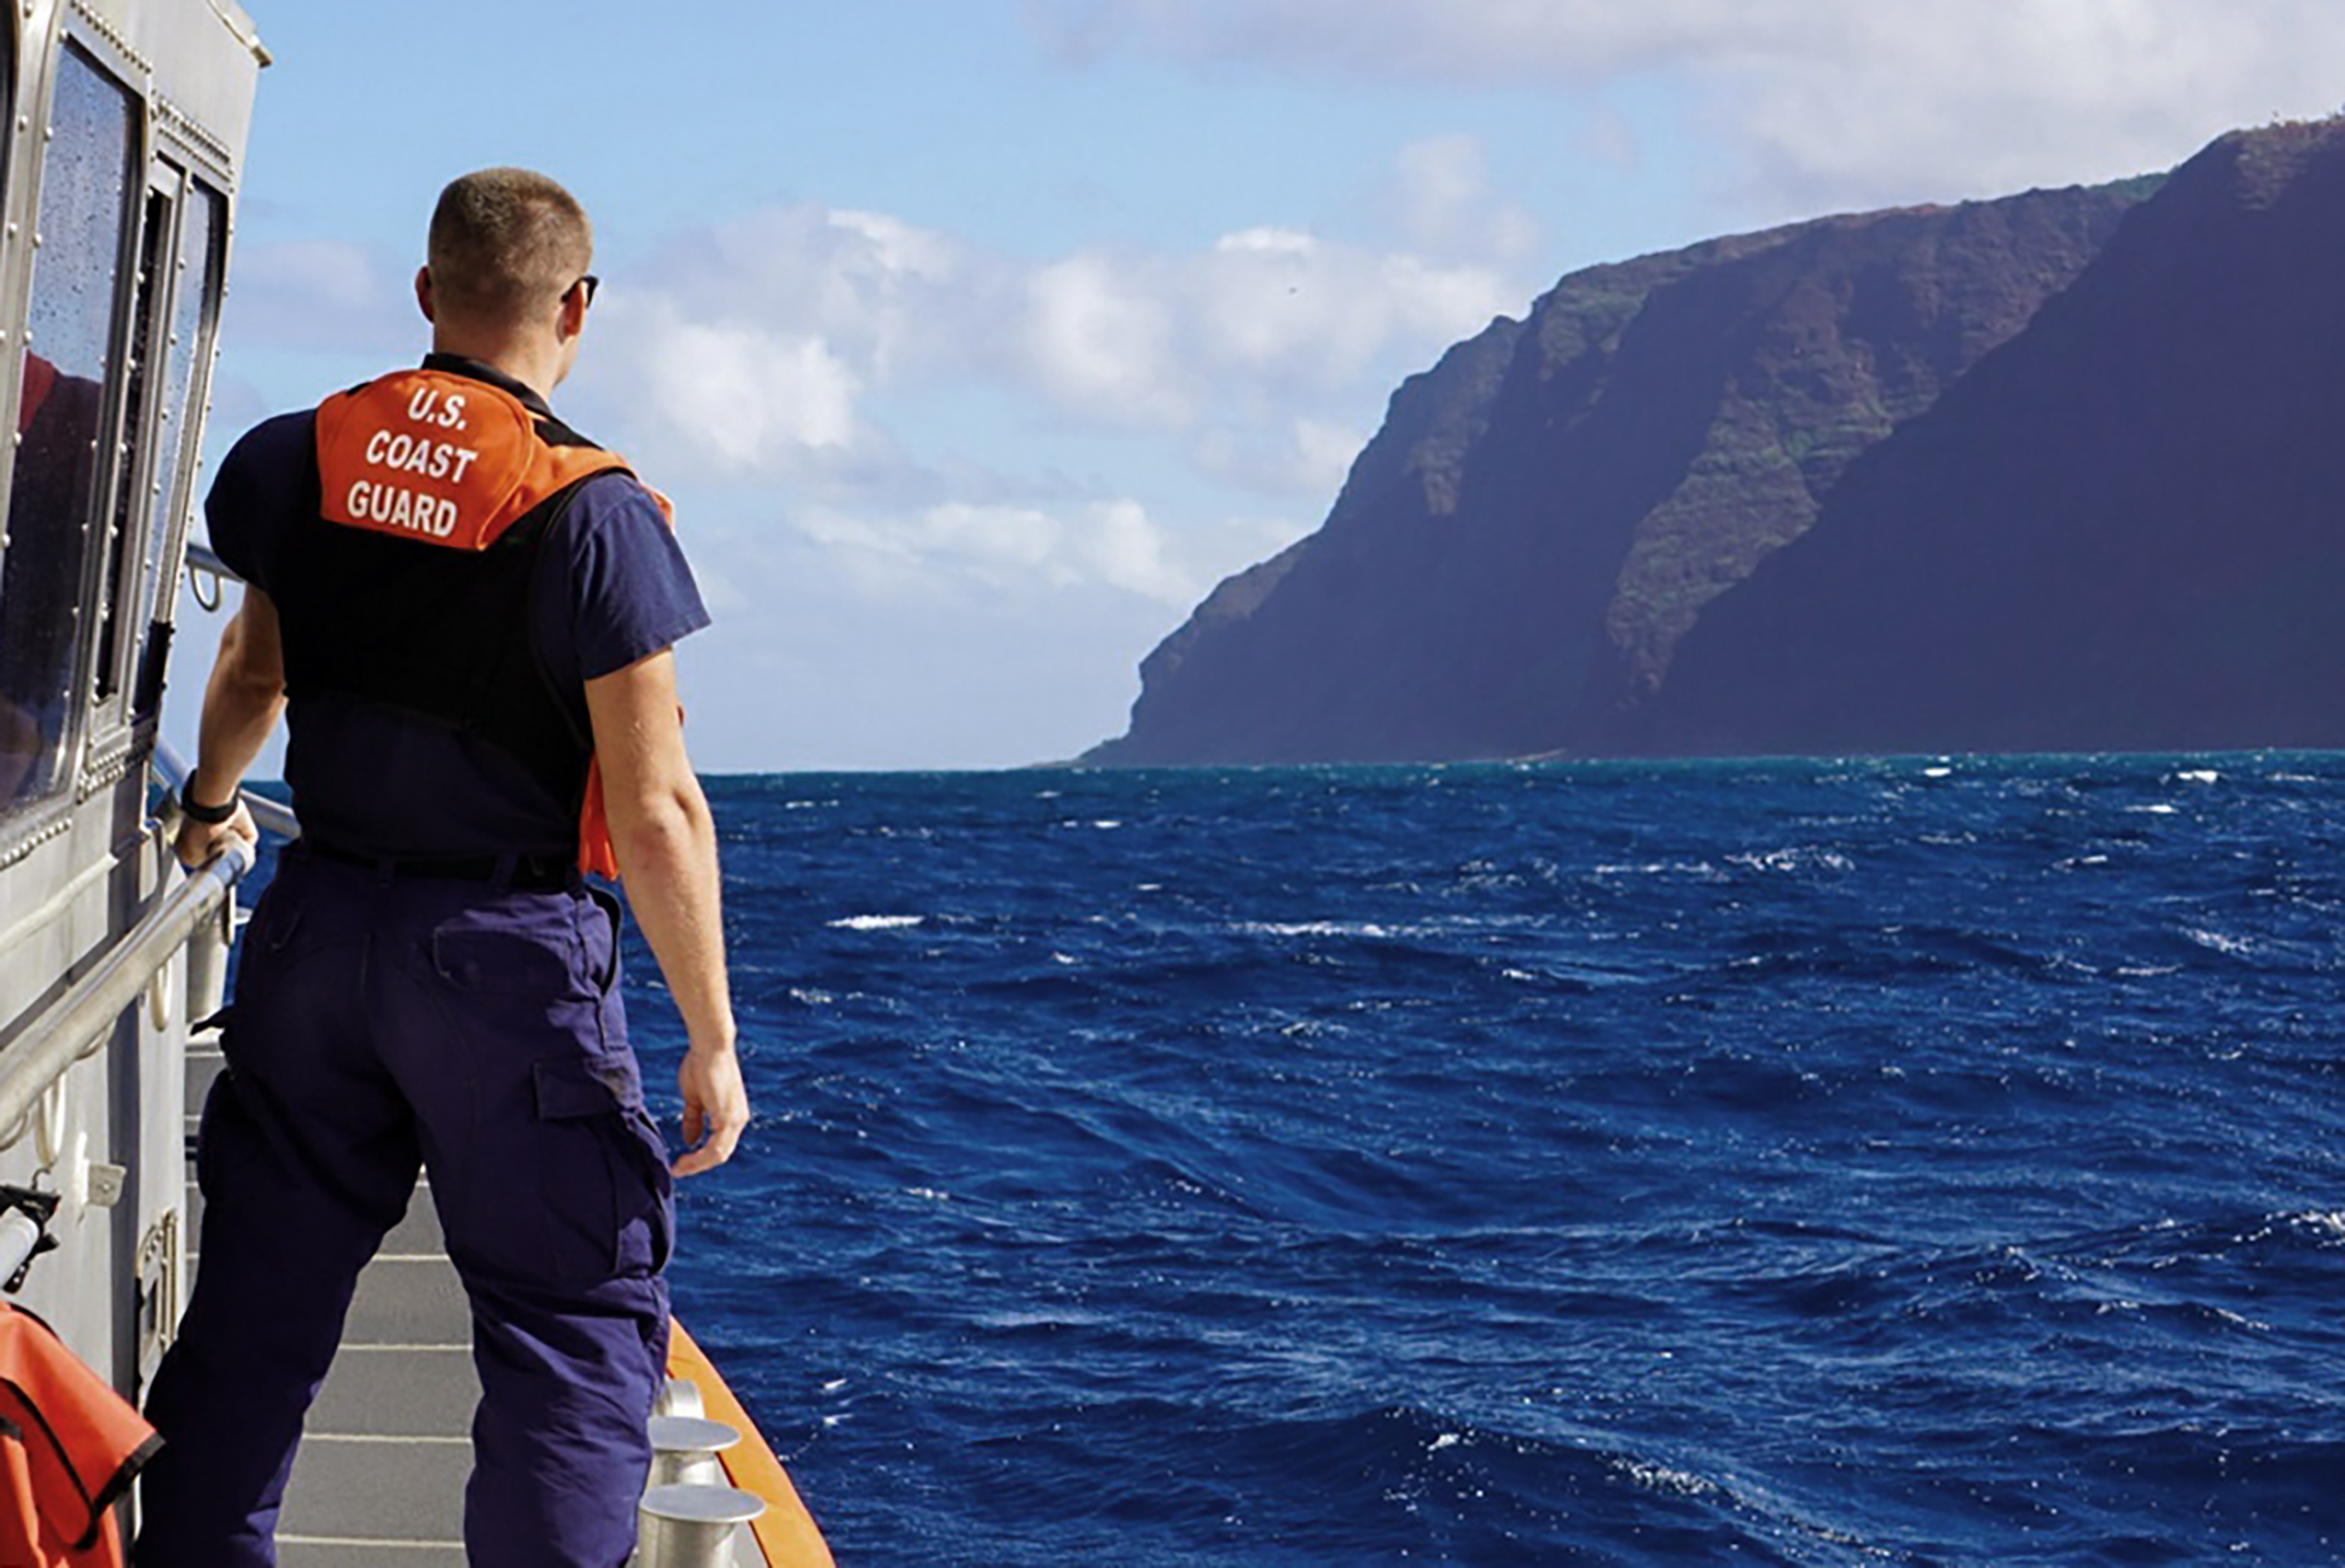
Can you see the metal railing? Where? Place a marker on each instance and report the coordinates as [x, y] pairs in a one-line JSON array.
[[77, 1022]]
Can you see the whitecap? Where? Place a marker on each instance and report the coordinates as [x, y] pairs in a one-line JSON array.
[[1792, 859], [1312, 928], [2327, 1225], [877, 923], [1658, 868], [2230, 947], [1664, 1478]]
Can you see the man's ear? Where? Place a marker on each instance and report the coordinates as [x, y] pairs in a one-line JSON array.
[[423, 294], [571, 321]]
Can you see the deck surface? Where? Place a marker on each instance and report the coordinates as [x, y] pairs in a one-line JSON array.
[[380, 1481]]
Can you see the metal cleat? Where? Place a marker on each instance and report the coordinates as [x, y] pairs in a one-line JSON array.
[[679, 1397], [685, 1450], [692, 1526]]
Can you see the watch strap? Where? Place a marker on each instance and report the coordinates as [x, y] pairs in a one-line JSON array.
[[196, 811]]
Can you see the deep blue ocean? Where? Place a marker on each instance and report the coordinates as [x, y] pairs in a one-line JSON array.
[[1893, 1162]]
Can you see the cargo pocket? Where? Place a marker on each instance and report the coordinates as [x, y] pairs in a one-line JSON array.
[[577, 1187], [647, 1203], [602, 1178]]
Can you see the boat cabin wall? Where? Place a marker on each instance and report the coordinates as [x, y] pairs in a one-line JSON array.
[[120, 147]]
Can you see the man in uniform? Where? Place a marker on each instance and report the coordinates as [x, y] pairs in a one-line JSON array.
[[469, 612]]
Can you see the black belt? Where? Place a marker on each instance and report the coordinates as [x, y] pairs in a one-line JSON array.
[[523, 873]]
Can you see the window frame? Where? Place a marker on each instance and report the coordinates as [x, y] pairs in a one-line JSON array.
[[125, 522], [33, 71], [101, 750], [172, 447]]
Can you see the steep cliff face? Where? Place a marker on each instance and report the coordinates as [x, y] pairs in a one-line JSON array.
[[2124, 530], [1517, 555]]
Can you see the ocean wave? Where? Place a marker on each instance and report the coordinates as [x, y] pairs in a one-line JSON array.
[[877, 923]]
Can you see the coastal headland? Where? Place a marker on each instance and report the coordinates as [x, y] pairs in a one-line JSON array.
[[2055, 472]]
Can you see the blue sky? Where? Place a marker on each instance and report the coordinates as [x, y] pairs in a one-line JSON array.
[[976, 339]]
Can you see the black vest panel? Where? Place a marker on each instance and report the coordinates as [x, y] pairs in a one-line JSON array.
[[444, 636]]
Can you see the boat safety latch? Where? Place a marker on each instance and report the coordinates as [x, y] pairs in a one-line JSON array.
[[24, 1232]]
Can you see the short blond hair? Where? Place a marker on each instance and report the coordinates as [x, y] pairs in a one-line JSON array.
[[506, 242]]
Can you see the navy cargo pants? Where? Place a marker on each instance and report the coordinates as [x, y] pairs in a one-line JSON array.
[[383, 1022]]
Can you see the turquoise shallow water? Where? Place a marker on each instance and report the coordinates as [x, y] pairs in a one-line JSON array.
[[1884, 1162]]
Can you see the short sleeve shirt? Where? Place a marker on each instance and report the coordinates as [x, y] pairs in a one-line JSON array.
[[611, 588]]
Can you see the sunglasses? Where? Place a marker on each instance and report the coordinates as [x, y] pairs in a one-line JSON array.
[[591, 282]]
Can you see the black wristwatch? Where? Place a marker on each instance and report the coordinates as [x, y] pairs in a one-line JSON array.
[[194, 811]]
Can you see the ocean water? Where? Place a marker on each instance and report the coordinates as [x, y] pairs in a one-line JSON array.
[[1811, 1163]]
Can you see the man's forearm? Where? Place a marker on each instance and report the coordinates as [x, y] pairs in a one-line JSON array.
[[237, 722], [242, 701], [665, 840], [666, 851]]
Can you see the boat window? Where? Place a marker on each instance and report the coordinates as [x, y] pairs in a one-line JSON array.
[[84, 178], [120, 542], [194, 314]]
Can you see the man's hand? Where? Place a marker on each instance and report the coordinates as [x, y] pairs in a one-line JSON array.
[[716, 1107], [199, 844]]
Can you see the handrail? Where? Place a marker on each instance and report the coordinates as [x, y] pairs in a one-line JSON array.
[[80, 1020], [200, 558], [20, 1237], [202, 564], [77, 1022]]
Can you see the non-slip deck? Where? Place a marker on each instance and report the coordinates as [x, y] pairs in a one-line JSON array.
[[379, 1480]]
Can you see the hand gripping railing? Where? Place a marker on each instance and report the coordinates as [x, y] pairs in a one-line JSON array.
[[77, 1022], [272, 818]]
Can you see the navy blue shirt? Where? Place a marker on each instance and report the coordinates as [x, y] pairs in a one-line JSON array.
[[611, 588]]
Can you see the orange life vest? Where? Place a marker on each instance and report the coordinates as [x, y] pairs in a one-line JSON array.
[[444, 459], [69, 1449]]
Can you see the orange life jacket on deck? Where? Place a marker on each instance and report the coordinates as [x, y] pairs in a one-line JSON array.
[[443, 460], [69, 1449]]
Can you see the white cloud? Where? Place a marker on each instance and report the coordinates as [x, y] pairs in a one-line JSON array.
[[741, 398], [320, 294], [1443, 203], [1826, 102], [776, 346], [1302, 457], [1100, 342], [955, 547]]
